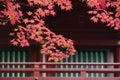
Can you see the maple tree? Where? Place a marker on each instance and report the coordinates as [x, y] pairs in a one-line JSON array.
[[105, 11], [29, 24]]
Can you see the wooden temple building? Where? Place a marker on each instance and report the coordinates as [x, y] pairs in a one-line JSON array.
[[97, 56]]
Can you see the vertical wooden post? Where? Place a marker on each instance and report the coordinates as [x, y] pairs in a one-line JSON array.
[[36, 73], [83, 74], [117, 58], [44, 66], [110, 58]]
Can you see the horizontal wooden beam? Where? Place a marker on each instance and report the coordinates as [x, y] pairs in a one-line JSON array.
[[78, 42], [52, 70], [59, 63], [98, 43], [60, 78]]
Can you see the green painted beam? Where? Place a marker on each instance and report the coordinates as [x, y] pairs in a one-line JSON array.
[[102, 60], [61, 66], [91, 60], [3, 60], [81, 59], [13, 56], [18, 60], [66, 75], [13, 60], [23, 60], [76, 60], [97, 60], [86, 60], [8, 60], [71, 66], [85, 56]]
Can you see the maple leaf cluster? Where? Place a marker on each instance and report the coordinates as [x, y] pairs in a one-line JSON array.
[[105, 11], [30, 25]]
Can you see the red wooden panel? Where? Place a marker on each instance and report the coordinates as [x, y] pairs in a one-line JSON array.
[[16, 78], [17, 70], [78, 78], [80, 70], [57, 63], [60, 70], [60, 78], [36, 70]]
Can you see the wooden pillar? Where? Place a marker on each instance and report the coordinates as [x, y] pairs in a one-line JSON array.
[[44, 66], [83, 75], [110, 59], [34, 54], [117, 58], [36, 73]]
